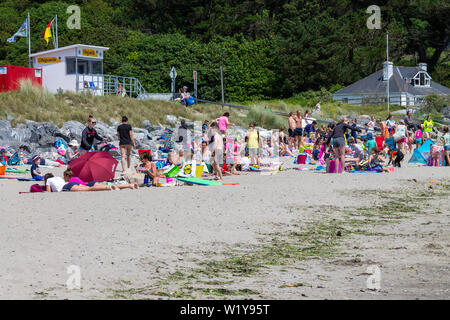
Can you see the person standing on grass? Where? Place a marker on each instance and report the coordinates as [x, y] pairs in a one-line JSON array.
[[126, 142], [88, 136]]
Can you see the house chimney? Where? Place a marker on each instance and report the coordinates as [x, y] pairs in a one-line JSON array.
[[423, 66], [388, 70]]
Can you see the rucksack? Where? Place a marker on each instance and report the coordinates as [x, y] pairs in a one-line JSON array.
[[14, 160], [37, 188]]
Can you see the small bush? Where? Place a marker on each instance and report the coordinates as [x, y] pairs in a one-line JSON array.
[[435, 103], [265, 118]]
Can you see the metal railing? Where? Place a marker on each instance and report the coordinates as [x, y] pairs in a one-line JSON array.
[[128, 86], [101, 85]]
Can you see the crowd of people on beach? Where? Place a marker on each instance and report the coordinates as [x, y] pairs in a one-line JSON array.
[[348, 145], [337, 147]]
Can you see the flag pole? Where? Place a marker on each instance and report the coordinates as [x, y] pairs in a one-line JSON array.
[[56, 27], [29, 39], [52, 31], [387, 60], [54, 34]]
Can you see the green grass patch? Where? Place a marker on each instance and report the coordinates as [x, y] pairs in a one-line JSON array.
[[220, 292]]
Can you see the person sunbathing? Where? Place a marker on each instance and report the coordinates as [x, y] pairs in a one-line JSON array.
[[55, 185]]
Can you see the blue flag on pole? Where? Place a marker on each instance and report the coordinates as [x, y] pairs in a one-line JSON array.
[[22, 32]]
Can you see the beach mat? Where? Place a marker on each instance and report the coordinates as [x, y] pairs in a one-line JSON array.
[[23, 170], [199, 181], [16, 178]]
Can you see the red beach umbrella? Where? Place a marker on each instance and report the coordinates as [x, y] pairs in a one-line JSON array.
[[94, 166]]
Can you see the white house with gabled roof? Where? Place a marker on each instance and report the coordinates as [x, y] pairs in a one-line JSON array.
[[407, 87]]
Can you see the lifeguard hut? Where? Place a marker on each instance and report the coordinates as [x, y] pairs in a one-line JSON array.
[[79, 68]]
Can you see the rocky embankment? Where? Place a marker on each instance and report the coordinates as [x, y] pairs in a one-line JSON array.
[[40, 137]]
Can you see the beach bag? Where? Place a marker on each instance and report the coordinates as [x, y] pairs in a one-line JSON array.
[[190, 100], [14, 160], [399, 135], [37, 188], [332, 166]]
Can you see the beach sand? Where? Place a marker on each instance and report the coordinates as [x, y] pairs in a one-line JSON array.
[[157, 243]]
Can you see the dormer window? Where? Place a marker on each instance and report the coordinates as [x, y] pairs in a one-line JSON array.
[[422, 79]]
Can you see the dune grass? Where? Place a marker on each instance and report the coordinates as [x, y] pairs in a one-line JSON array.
[[34, 103], [37, 104], [329, 110]]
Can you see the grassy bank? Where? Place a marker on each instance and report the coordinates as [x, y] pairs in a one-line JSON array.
[[33, 103]]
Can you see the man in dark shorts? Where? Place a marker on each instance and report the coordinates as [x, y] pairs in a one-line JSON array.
[[298, 132], [125, 135]]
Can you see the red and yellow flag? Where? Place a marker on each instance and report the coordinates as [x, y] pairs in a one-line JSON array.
[[47, 33]]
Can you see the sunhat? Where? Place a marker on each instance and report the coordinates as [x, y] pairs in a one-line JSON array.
[[74, 143]]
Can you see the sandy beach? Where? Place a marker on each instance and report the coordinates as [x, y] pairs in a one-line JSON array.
[[301, 235]]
